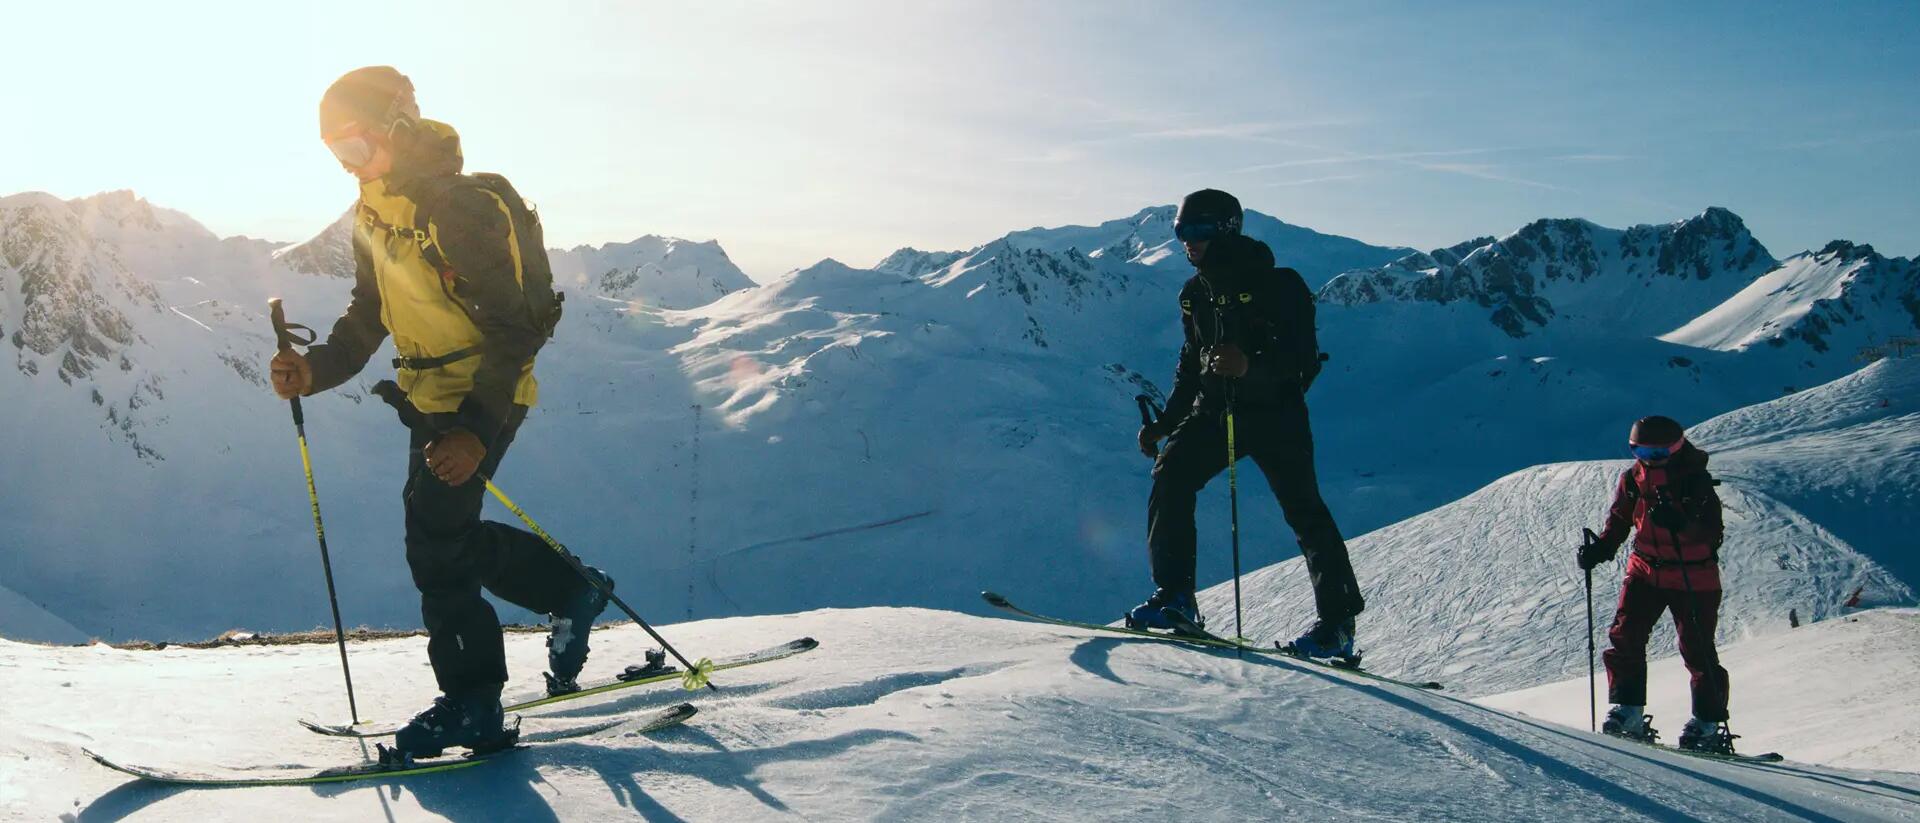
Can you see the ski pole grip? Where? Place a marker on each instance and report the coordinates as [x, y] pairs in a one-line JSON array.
[[279, 314]]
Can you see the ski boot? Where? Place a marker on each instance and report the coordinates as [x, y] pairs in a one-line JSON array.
[[567, 645], [472, 719], [1632, 723], [1327, 640], [1709, 736], [1149, 615]]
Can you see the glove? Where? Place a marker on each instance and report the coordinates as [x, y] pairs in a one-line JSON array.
[[292, 376], [1595, 553], [455, 456], [1666, 514], [1226, 360], [1150, 437]]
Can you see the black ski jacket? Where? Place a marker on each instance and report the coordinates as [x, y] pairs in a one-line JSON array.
[[1239, 297]]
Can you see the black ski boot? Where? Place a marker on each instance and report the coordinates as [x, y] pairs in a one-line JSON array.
[[1327, 640], [472, 720], [567, 645], [1630, 722], [1708, 736]]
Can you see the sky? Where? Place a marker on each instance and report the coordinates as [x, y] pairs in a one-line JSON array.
[[792, 132]]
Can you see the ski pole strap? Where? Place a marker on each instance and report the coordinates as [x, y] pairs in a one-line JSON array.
[[424, 363]]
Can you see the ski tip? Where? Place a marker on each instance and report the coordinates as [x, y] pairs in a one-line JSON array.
[[1433, 686], [805, 644], [994, 599]]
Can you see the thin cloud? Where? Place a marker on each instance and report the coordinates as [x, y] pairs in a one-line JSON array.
[[1349, 157], [1310, 181], [1596, 158], [1482, 171]]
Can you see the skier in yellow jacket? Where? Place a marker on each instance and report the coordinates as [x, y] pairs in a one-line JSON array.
[[452, 266]]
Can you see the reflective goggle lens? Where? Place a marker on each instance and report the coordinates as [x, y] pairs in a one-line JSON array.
[[353, 152], [1653, 452], [1196, 232]]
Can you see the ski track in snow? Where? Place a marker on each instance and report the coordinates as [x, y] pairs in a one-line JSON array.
[[902, 714]]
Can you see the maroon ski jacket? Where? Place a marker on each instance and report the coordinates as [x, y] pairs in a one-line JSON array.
[[1662, 555]]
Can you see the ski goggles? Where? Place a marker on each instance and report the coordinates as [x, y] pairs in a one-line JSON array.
[[1197, 232], [353, 151], [1646, 451]]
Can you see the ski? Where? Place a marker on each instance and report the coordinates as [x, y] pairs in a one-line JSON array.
[[615, 683], [1349, 665], [1768, 757], [309, 776], [1203, 639]]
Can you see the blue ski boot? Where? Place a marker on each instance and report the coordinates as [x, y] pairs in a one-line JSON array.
[[1327, 639], [567, 645], [1148, 615], [471, 719]]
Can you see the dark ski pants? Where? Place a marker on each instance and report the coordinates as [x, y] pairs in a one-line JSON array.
[[1281, 445], [454, 554], [1641, 603]]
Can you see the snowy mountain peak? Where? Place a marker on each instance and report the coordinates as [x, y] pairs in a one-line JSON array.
[[1817, 310], [1650, 277], [67, 295], [912, 262]]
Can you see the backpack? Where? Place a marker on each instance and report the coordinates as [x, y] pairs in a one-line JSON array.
[[544, 304]]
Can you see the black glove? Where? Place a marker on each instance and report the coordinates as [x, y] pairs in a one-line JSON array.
[[1666, 514], [1594, 553]]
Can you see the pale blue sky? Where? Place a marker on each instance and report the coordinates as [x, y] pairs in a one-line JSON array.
[[794, 131]]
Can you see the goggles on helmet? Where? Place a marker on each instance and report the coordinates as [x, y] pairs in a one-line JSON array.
[[353, 151], [1646, 451], [1197, 232]]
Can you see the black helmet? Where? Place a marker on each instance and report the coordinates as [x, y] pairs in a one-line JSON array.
[[1206, 214], [372, 98], [1656, 431]]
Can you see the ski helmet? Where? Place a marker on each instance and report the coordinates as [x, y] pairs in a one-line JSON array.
[[370, 99], [1207, 214], [1656, 438]]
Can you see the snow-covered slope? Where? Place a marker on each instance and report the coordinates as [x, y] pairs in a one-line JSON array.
[[1479, 593], [24, 619], [1573, 274], [1814, 312], [901, 714], [1858, 709]]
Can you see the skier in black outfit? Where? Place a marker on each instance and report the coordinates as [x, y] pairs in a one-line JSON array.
[[1250, 342]]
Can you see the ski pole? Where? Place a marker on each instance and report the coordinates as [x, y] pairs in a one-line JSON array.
[[1593, 702], [697, 673], [283, 333], [1233, 509]]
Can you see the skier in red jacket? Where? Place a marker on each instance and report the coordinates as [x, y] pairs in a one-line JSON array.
[[1667, 500]]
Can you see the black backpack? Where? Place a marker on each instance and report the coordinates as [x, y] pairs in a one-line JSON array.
[[536, 272]]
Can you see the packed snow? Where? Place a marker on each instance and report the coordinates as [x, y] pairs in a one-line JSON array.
[[901, 714], [1861, 710]]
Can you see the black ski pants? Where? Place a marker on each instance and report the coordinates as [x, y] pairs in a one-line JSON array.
[[454, 554], [1281, 444]]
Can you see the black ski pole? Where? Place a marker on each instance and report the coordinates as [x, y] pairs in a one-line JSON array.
[[697, 674], [284, 335], [1233, 509], [1593, 702]]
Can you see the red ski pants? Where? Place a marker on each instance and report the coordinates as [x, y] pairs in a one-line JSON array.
[[1641, 603]]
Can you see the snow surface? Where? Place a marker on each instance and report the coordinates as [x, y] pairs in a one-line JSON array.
[[1474, 593], [901, 714], [1838, 300], [1839, 692]]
